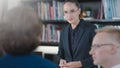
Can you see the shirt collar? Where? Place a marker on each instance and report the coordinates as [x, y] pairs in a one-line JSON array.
[[116, 66]]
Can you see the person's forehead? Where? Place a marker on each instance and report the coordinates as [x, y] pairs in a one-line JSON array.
[[69, 5], [103, 37]]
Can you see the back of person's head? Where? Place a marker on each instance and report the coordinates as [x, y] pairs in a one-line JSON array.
[[20, 31]]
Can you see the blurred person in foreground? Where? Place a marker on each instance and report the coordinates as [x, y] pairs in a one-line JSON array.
[[105, 48], [20, 32]]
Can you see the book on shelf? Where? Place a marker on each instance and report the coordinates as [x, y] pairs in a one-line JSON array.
[[116, 18], [50, 10], [116, 9], [51, 33], [100, 12], [39, 9], [111, 9], [107, 9], [88, 18]]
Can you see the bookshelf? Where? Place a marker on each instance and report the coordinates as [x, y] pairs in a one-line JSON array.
[[88, 0], [105, 22], [47, 10], [49, 44], [97, 13], [49, 49], [57, 22]]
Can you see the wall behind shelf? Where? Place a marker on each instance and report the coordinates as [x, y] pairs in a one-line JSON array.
[[88, 0], [95, 6]]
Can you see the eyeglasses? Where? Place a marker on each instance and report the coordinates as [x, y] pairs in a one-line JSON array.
[[99, 45], [71, 12]]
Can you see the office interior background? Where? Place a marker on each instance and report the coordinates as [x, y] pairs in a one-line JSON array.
[[98, 12]]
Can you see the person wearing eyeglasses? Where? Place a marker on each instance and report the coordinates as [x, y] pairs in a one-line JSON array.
[[75, 39], [105, 49]]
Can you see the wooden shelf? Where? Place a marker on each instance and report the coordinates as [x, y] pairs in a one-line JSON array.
[[88, 0], [28, 1], [54, 22], [95, 21], [105, 22], [49, 43], [47, 49]]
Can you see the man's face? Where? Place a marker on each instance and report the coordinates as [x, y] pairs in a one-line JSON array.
[[101, 48]]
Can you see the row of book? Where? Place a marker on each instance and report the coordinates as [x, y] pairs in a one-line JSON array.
[[53, 10], [50, 10], [111, 9], [51, 33]]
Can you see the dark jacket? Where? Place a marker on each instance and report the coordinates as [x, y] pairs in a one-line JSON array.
[[83, 38], [25, 61]]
